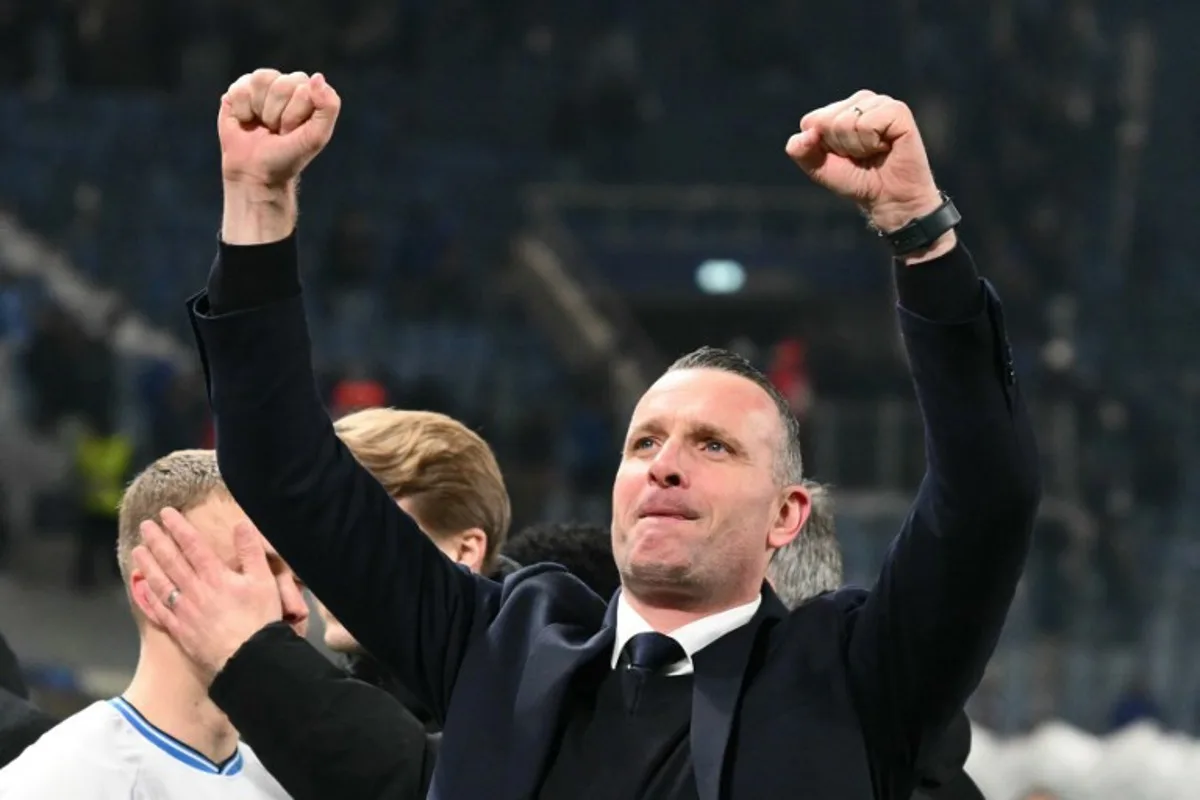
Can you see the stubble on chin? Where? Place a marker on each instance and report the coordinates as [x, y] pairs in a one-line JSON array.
[[663, 583]]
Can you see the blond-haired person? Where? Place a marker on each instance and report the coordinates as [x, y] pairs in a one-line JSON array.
[[162, 737], [448, 480]]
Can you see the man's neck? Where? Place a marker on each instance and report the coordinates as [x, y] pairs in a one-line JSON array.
[[167, 692], [665, 616]]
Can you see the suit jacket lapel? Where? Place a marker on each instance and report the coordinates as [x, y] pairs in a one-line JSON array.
[[554, 660], [720, 672]]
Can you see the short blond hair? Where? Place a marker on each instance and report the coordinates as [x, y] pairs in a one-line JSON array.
[[446, 470], [181, 480]]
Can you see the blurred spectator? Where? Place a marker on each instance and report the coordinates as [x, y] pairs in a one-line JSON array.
[[14, 325], [789, 373], [424, 279], [615, 101], [178, 405], [350, 261], [1136, 704], [105, 464], [590, 454], [350, 395], [123, 43], [585, 549]]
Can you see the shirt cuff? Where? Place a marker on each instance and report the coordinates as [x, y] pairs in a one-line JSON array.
[[946, 289], [250, 276]]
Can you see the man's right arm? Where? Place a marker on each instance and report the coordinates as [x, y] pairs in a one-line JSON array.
[[328, 517]]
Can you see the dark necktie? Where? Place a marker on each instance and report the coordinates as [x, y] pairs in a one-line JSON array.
[[652, 652]]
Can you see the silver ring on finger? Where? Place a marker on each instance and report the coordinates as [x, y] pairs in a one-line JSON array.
[[172, 599], [858, 112]]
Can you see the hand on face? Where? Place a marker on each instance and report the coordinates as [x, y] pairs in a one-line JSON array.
[[206, 606]]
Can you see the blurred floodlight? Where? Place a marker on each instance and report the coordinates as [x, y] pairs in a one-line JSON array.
[[720, 276]]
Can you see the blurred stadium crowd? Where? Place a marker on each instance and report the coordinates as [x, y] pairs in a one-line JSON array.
[[635, 142]]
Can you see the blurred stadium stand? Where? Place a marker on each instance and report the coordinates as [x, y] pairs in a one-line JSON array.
[[524, 196]]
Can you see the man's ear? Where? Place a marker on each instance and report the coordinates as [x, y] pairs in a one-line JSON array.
[[794, 509], [144, 603], [468, 547]]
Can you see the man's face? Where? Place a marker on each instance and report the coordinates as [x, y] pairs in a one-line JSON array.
[[467, 548], [697, 506], [216, 518]]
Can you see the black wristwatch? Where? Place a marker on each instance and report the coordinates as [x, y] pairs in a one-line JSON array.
[[922, 232]]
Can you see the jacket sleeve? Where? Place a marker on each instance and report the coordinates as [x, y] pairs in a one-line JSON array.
[[917, 646], [319, 732], [328, 517]]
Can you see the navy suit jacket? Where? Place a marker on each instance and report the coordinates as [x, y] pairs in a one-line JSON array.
[[833, 700]]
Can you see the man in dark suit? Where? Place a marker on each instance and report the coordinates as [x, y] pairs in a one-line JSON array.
[[695, 682]]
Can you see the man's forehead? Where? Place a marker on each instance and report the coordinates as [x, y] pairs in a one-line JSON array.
[[708, 396]]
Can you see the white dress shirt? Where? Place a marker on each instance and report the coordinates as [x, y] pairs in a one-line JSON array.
[[693, 637]]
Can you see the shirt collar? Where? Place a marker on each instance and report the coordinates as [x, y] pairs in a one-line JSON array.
[[693, 637]]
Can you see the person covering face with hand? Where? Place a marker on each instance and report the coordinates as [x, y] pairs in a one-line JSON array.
[[163, 737]]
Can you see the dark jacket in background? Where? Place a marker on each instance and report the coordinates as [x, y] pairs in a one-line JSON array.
[[21, 723]]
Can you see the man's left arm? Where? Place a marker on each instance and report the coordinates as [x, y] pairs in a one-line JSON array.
[[917, 646], [920, 642]]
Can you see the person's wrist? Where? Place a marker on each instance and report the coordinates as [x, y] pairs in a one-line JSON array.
[[258, 213], [889, 217]]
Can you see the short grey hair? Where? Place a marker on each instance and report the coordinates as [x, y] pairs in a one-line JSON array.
[[810, 564], [790, 461]]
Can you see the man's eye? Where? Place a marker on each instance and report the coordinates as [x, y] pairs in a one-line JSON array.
[[641, 443], [714, 446]]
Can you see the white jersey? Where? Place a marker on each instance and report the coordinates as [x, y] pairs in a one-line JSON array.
[[108, 751]]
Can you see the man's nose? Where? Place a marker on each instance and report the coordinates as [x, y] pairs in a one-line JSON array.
[[667, 469], [295, 610]]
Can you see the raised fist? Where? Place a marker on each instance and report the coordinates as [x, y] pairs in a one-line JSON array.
[[867, 148], [271, 125]]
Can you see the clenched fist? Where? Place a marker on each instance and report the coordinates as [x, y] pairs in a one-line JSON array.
[[272, 125], [867, 148]]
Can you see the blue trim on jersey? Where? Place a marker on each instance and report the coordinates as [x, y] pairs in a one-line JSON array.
[[172, 746]]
